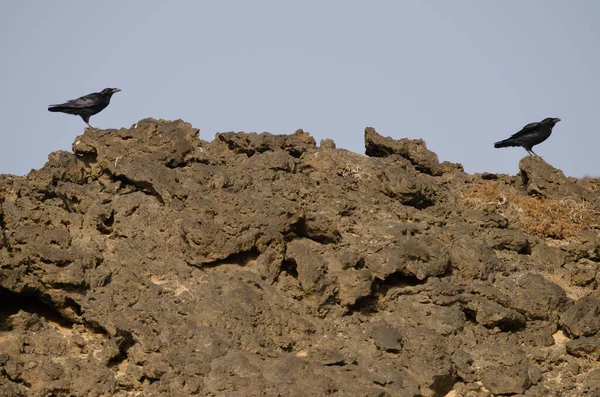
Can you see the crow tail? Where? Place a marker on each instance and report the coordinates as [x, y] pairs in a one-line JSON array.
[[60, 108], [505, 143]]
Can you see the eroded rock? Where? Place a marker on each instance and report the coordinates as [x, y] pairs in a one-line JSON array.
[[150, 262], [413, 150], [582, 319]]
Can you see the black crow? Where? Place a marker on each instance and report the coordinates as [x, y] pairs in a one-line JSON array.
[[86, 106], [530, 135]]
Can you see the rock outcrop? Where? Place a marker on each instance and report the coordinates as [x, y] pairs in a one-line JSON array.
[[149, 262]]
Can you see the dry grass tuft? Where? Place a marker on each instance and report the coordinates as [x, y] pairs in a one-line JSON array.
[[558, 219], [488, 193]]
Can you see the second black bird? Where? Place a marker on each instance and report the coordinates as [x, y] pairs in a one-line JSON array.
[[530, 135], [86, 106]]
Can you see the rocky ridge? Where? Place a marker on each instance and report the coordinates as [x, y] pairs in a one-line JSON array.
[[150, 262]]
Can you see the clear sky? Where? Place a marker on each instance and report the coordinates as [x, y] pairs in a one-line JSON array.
[[460, 74]]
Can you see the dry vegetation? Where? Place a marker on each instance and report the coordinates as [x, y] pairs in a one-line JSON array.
[[558, 219]]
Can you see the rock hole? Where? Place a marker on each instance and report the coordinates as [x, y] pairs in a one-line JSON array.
[[313, 232], [87, 158], [125, 341], [525, 250], [143, 186], [105, 223], [360, 264], [336, 364], [95, 327], [148, 379], [396, 280], [290, 268], [524, 180], [470, 315], [30, 302], [239, 258], [76, 307], [366, 305]]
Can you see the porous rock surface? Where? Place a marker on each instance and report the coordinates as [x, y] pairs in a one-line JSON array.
[[149, 262]]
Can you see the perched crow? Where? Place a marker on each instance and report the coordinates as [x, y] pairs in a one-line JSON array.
[[530, 135], [86, 106]]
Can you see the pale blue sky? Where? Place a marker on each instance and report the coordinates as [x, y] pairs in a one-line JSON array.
[[460, 74]]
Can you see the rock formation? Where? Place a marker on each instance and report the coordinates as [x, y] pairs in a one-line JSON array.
[[149, 262]]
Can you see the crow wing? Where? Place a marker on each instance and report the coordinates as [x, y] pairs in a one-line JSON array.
[[528, 129], [86, 101]]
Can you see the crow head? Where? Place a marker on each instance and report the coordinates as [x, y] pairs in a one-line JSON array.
[[110, 91], [551, 120]]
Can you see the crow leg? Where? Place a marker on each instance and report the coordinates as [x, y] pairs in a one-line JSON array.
[[530, 151], [86, 119]]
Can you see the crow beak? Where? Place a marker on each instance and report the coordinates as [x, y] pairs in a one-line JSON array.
[[556, 120], [116, 90]]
